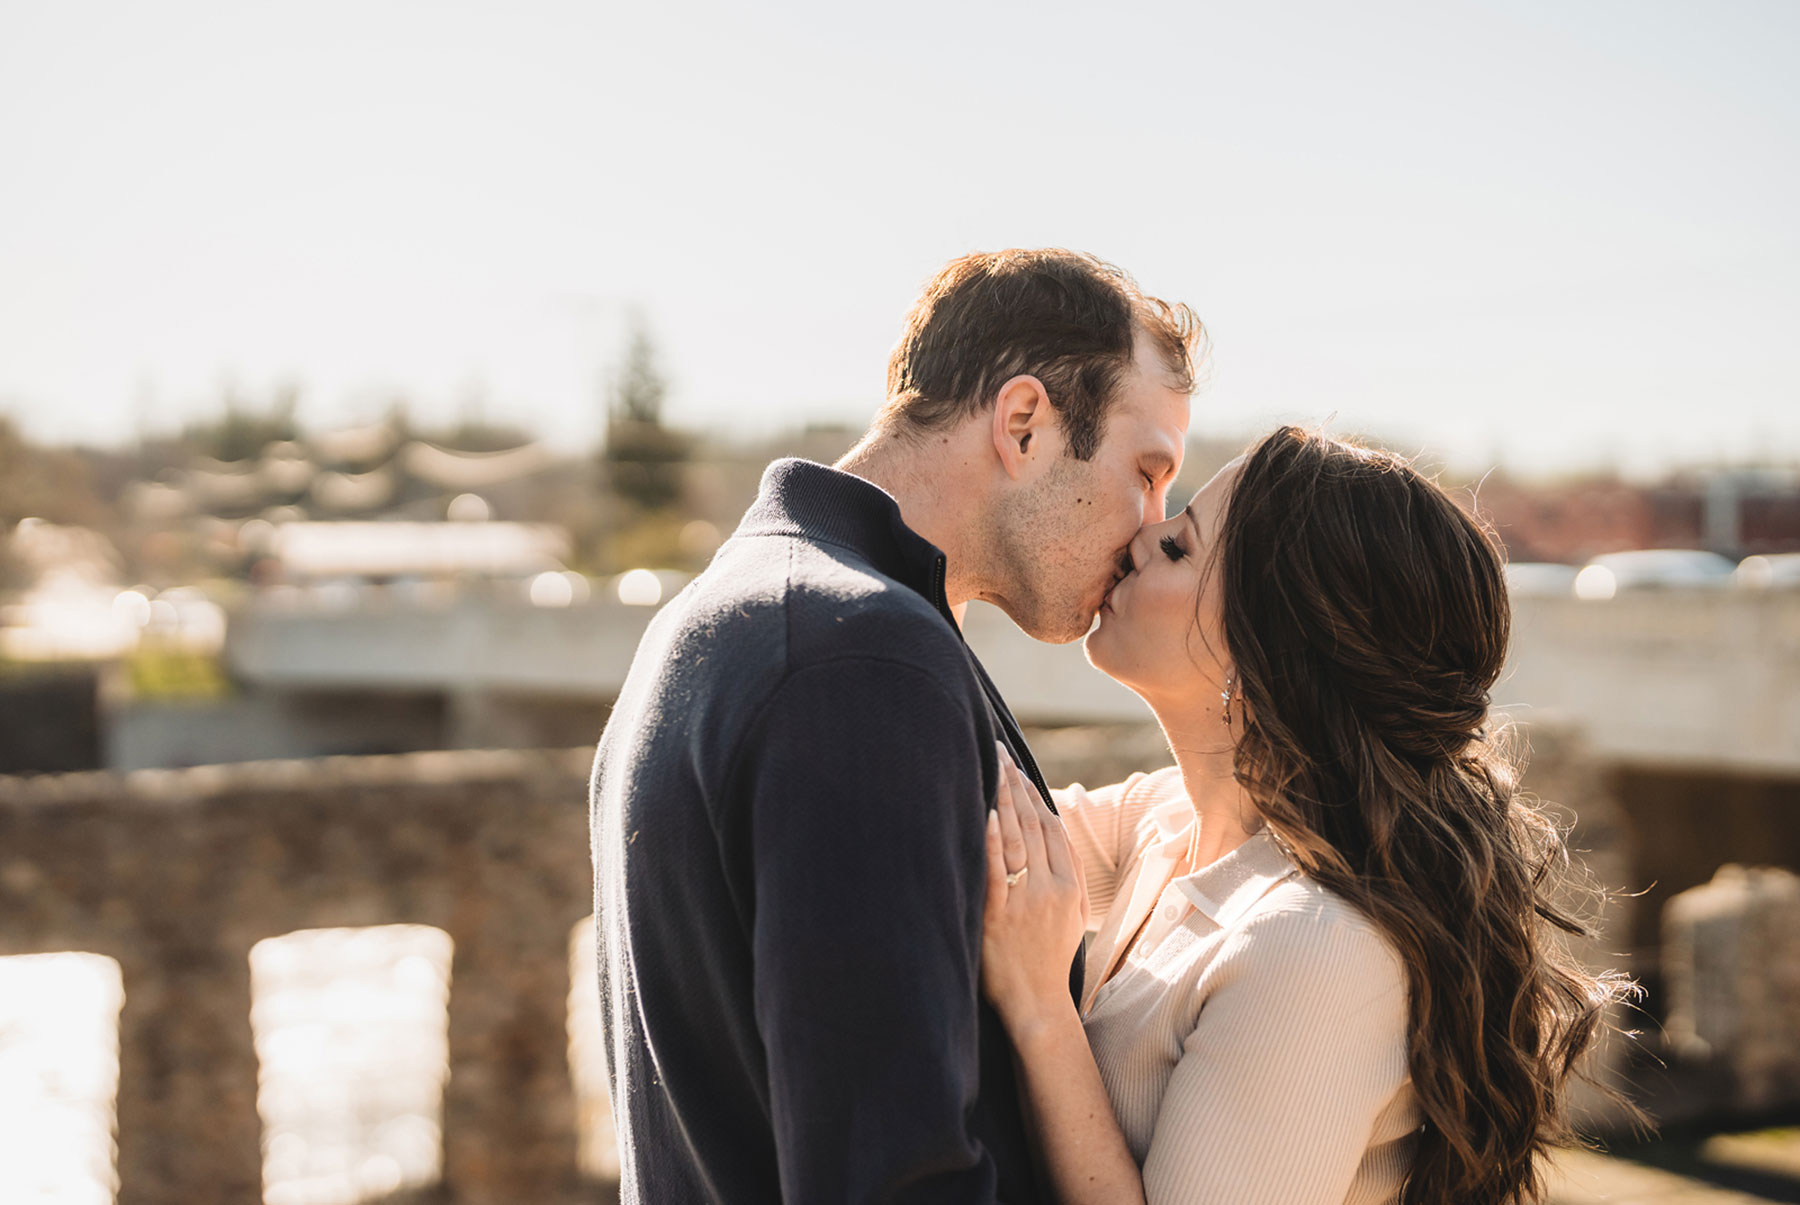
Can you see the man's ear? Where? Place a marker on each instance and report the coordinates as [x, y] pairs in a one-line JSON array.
[[1024, 425]]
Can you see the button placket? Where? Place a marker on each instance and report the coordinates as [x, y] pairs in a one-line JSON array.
[[1166, 915]]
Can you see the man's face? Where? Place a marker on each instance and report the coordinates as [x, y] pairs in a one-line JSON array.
[[1064, 536]]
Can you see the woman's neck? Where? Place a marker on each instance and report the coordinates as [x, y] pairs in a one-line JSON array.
[[1203, 748]]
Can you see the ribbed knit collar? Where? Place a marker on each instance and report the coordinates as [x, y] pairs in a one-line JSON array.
[[1224, 890], [800, 498]]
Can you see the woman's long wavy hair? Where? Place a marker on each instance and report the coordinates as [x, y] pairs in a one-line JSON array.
[[1366, 616]]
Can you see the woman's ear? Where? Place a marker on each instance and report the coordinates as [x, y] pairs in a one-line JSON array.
[[1022, 420]]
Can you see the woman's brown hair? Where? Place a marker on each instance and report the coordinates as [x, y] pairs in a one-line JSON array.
[[1366, 616]]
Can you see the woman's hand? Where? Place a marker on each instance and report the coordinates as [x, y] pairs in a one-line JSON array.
[[1033, 925]]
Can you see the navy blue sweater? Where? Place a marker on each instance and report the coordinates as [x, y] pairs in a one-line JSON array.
[[787, 817]]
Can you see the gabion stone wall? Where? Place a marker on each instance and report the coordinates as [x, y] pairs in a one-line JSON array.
[[1731, 960], [176, 874]]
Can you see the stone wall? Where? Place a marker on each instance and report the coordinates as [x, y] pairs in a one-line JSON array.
[[1688, 823], [176, 874], [1731, 958], [1575, 787]]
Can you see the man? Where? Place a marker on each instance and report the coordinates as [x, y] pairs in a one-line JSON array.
[[788, 802]]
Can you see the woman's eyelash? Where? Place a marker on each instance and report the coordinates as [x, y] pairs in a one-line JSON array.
[[1172, 548]]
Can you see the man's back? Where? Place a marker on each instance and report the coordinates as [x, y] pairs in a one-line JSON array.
[[787, 809]]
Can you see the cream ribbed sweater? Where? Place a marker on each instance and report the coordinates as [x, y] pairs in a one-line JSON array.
[[1253, 1037]]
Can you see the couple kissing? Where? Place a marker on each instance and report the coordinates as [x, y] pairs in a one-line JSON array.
[[853, 947]]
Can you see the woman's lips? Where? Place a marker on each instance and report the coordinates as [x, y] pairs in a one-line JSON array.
[[1106, 600], [1123, 570]]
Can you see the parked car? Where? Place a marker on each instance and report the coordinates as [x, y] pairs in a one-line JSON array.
[[1653, 569], [1777, 571], [1540, 579]]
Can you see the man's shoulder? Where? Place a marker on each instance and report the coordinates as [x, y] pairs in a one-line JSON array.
[[840, 606], [791, 618], [821, 601]]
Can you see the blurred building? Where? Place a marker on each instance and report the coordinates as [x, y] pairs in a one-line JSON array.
[[1734, 512]]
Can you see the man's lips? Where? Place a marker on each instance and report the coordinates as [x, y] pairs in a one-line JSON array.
[[1123, 571], [1106, 599]]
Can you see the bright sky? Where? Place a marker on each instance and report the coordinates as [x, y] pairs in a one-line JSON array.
[[1544, 230]]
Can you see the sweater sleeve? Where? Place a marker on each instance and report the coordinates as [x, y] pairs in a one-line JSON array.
[[1299, 1046], [1099, 823], [869, 785]]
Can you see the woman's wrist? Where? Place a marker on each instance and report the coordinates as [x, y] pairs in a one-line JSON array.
[[1042, 1022]]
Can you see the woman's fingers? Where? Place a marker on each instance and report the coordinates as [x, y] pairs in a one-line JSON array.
[[996, 859], [1031, 823], [1036, 820], [1012, 833], [1055, 838], [1056, 847], [1080, 884], [1031, 836]]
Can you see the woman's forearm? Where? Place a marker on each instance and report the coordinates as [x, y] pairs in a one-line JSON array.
[[1078, 1137]]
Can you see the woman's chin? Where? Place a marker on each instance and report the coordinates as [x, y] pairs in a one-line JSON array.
[[1094, 644], [1105, 654]]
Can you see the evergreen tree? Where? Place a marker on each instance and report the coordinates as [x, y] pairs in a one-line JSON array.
[[640, 389], [643, 459], [241, 431]]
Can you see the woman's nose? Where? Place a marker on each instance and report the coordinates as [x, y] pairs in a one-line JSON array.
[[1140, 547]]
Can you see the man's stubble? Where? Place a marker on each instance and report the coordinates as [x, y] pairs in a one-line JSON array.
[[1046, 567]]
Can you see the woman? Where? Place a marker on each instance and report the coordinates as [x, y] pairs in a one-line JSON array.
[[1326, 966]]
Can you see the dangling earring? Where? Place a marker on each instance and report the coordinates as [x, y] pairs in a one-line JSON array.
[[1226, 696]]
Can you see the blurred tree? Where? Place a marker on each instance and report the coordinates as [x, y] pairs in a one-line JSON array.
[[642, 459], [399, 418], [479, 435], [55, 484], [12, 572], [49, 483], [640, 390], [474, 431], [653, 540], [241, 431]]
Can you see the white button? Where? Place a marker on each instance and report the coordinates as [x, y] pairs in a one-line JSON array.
[[1169, 912]]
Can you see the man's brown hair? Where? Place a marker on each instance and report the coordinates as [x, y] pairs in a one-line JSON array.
[[1065, 317]]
